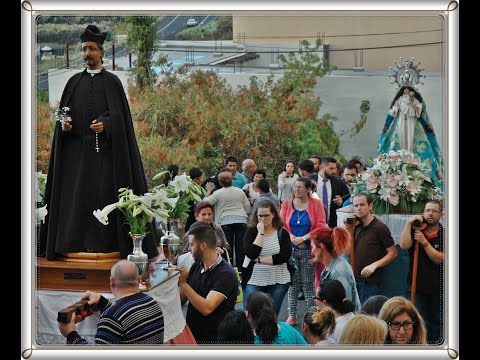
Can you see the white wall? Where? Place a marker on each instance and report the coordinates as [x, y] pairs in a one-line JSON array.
[[341, 97], [58, 78]]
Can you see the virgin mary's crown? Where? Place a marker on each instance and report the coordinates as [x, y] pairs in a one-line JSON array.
[[406, 73]]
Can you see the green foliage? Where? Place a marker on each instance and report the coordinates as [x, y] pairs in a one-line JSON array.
[[225, 27], [316, 136], [359, 124], [62, 29], [142, 32], [59, 33], [212, 30], [45, 126], [197, 119], [305, 63], [199, 32], [82, 20], [42, 96]]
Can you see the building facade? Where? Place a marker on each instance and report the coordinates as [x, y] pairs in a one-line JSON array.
[[352, 42]]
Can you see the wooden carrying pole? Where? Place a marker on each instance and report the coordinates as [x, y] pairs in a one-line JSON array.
[[350, 224], [414, 273], [417, 225]]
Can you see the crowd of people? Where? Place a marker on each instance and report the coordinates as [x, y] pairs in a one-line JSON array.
[[287, 247]]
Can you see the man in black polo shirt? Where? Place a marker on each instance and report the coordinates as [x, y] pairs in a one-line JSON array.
[[428, 295], [211, 286], [374, 248]]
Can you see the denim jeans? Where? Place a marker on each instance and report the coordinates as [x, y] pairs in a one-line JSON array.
[[276, 291], [365, 290]]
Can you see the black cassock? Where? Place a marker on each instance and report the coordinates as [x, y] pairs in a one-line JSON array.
[[81, 180]]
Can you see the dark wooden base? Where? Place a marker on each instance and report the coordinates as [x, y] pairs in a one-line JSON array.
[[70, 275]]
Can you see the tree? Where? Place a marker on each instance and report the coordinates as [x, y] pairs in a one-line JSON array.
[[197, 119], [141, 40]]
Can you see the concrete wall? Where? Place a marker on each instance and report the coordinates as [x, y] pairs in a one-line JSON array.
[[341, 94]]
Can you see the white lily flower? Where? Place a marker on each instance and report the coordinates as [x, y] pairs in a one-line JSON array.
[[180, 183], [101, 216], [40, 213]]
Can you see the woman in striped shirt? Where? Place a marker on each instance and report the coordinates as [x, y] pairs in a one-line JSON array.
[[267, 250]]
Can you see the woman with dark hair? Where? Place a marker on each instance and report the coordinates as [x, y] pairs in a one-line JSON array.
[[252, 190], [328, 245], [263, 321], [408, 127], [235, 329], [373, 305], [331, 293], [170, 175], [267, 250], [302, 216], [286, 180], [405, 324]]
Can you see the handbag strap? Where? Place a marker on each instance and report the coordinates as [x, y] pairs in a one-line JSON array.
[[228, 256]]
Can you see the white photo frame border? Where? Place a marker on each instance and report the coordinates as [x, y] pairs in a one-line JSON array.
[[448, 9]]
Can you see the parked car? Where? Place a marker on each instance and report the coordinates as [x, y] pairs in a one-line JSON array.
[[192, 22]]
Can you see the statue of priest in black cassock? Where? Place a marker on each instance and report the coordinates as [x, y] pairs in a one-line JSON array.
[[93, 154]]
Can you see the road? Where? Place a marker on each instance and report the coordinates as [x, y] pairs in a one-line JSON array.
[[169, 26]]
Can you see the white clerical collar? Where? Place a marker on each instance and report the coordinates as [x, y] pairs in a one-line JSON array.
[[94, 71]]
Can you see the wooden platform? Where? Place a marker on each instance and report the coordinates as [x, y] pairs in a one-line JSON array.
[[71, 275]]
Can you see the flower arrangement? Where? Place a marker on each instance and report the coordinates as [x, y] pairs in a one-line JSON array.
[[162, 202], [182, 188], [61, 114], [138, 211], [397, 183]]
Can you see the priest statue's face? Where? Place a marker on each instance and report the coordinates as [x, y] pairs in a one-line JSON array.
[[92, 54]]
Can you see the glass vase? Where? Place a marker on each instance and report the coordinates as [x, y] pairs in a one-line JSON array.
[[138, 257]]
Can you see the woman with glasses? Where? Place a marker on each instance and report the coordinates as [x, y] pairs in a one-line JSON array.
[[302, 216], [327, 246], [405, 324], [267, 250]]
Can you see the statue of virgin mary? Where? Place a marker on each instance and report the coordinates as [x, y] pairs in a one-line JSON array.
[[408, 126]]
